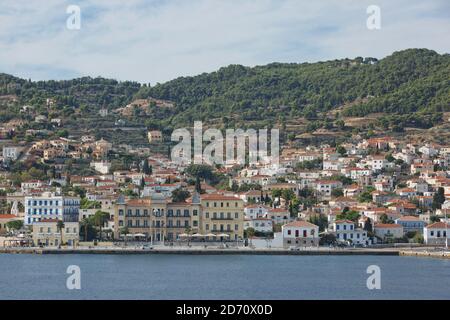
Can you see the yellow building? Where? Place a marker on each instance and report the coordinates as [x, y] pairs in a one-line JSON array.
[[222, 214], [160, 219], [46, 233]]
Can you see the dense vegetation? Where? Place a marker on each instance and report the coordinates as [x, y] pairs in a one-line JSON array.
[[409, 81]]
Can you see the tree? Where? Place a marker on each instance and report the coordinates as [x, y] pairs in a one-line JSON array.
[[365, 196], [337, 193], [124, 231], [60, 226], [250, 234], [100, 218], [438, 199], [349, 215], [180, 195], [188, 232], [341, 150], [14, 225], [85, 223], [146, 168], [198, 185], [384, 218], [368, 225], [319, 220]]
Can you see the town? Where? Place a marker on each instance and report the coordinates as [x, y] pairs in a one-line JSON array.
[[368, 192]]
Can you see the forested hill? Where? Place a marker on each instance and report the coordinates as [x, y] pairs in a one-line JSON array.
[[407, 81], [414, 80]]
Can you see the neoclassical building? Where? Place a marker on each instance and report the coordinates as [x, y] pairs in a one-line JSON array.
[[209, 216]]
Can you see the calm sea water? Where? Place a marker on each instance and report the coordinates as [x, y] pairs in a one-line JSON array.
[[222, 277]]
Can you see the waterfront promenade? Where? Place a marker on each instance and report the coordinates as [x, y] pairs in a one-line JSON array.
[[159, 249], [199, 251]]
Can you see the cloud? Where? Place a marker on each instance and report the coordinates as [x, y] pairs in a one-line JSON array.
[[155, 41]]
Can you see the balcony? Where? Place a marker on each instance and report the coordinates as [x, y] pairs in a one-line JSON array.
[[222, 231]]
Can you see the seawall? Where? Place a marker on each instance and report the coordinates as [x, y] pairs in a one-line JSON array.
[[196, 251]]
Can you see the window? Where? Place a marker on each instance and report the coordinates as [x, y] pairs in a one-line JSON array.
[[194, 212], [236, 227], [289, 232]]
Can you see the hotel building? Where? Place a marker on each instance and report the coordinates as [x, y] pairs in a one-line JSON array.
[[51, 206]]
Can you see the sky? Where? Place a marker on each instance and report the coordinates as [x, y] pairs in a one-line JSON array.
[[155, 40]]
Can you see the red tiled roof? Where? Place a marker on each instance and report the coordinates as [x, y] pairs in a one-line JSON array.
[[438, 225], [8, 216], [300, 224]]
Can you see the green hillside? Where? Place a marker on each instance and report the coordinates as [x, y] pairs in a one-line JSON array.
[[409, 81]]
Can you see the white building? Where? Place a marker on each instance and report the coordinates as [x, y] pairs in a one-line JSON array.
[[300, 234], [259, 224], [51, 206], [325, 187], [255, 211], [436, 233], [11, 153], [345, 231], [103, 167], [388, 231]]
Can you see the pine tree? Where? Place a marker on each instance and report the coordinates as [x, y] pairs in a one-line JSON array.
[[145, 167]]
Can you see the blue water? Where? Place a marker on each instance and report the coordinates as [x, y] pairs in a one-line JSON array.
[[222, 277]]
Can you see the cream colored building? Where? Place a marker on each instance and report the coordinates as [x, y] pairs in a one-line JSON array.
[[158, 219], [46, 233], [154, 136], [222, 214]]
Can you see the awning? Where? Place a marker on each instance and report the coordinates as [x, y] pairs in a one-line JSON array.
[[223, 235]]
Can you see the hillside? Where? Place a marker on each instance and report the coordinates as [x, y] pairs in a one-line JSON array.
[[414, 81]]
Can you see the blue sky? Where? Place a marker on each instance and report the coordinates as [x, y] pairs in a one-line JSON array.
[[155, 40]]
